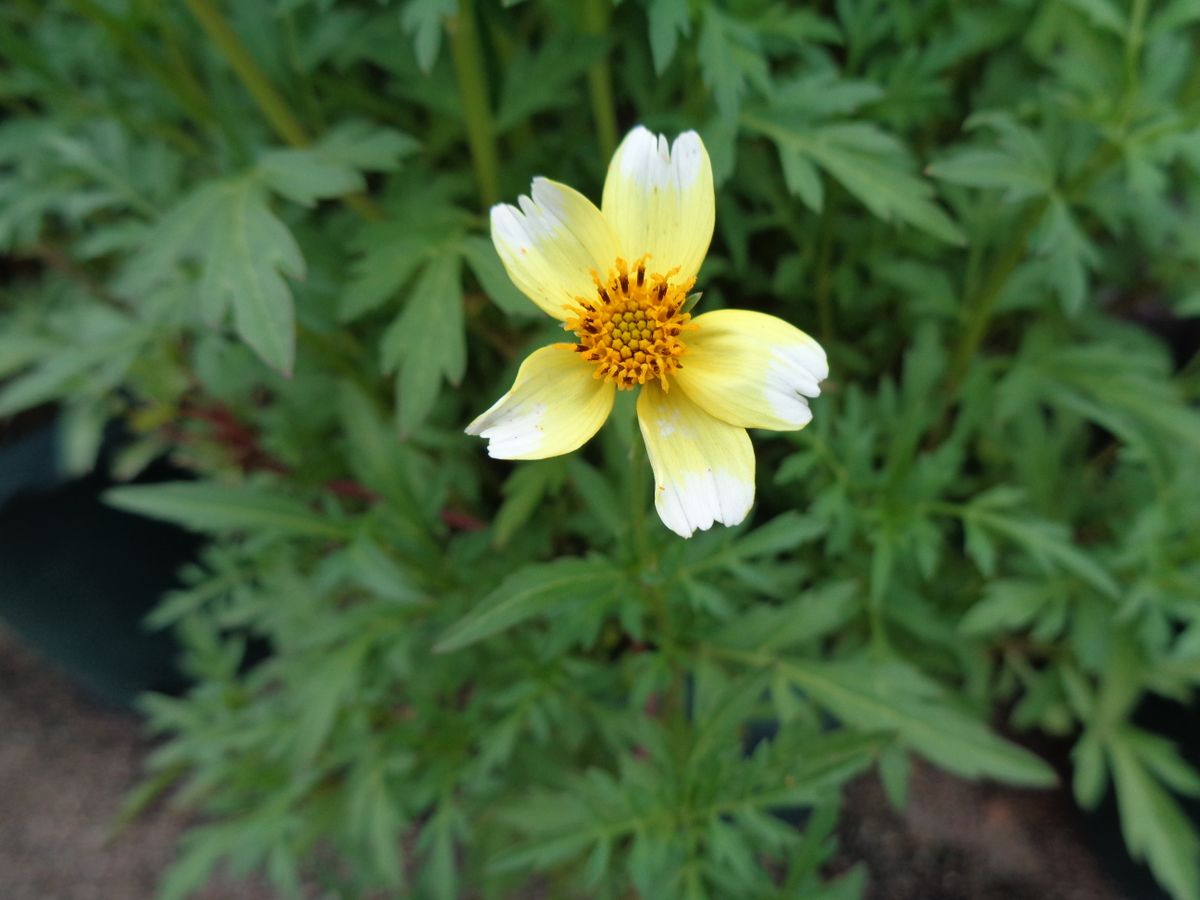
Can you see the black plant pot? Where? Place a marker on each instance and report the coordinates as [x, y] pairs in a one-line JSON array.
[[77, 577]]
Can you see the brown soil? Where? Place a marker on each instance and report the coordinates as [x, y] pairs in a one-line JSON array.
[[66, 764], [960, 840]]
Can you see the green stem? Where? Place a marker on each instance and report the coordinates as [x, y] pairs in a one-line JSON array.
[[472, 90], [604, 108], [269, 101], [982, 303], [673, 711]]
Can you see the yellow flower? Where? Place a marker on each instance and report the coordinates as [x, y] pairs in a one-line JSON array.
[[618, 277]]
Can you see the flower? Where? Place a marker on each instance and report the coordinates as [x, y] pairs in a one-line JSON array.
[[618, 277]]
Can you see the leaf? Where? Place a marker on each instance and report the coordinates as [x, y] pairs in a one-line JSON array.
[[1048, 543], [547, 78], [729, 57], [523, 491], [528, 592], [426, 342], [1017, 162], [1007, 605], [1068, 253], [667, 20], [422, 21], [249, 250], [807, 619], [306, 176], [391, 258], [184, 233], [370, 566], [1103, 14], [211, 507], [869, 163], [366, 146], [893, 697], [1154, 827], [802, 178]]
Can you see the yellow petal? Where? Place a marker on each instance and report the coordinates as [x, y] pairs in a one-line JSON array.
[[703, 467], [661, 201], [551, 243], [752, 370], [554, 406]]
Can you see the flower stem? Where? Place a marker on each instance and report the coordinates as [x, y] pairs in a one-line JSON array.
[[472, 89], [604, 109], [674, 713]]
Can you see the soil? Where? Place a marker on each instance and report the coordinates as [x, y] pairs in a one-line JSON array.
[[960, 840], [66, 763]]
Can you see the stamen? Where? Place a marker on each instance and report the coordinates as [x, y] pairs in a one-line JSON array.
[[631, 329]]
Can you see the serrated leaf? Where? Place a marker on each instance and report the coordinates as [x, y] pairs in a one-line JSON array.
[[729, 57], [426, 343], [667, 20], [870, 164], [528, 592], [306, 176], [390, 259], [423, 21], [250, 252], [802, 178], [366, 146]]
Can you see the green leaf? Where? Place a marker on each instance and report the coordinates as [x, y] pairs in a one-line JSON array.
[[423, 20], [528, 592], [802, 177], [867, 162], [893, 697], [367, 146], [1154, 826], [426, 342], [523, 491], [1069, 255], [814, 615], [249, 250], [306, 176], [730, 57], [212, 507], [1007, 605], [390, 259], [667, 20], [535, 81], [184, 233]]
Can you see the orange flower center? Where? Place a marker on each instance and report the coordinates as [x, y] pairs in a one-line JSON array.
[[631, 329]]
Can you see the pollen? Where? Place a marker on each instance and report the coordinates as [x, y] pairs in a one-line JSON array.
[[632, 328]]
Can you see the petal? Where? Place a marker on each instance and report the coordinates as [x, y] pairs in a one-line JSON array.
[[554, 406], [661, 202], [552, 243], [752, 370], [703, 467]]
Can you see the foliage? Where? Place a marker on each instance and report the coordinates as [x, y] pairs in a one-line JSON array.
[[253, 233]]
